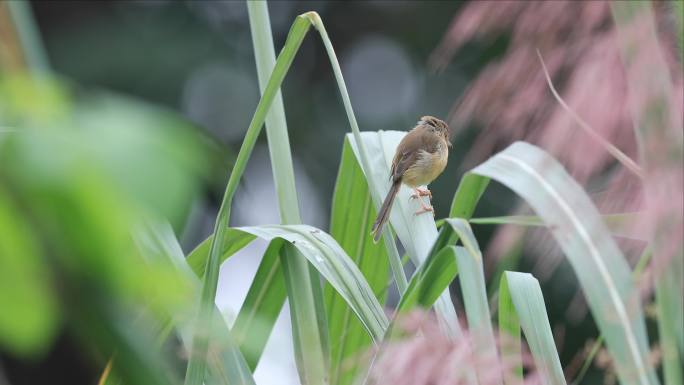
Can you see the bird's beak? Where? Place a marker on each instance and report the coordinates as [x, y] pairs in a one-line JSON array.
[[449, 143]]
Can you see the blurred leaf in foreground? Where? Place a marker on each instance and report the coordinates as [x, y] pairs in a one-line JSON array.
[[80, 170]]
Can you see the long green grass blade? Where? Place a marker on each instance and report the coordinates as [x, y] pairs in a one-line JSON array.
[[601, 268], [509, 335], [197, 362], [416, 232], [469, 260], [308, 310], [352, 213], [276, 124], [521, 291]]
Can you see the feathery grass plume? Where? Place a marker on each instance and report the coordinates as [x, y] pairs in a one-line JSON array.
[[510, 98], [423, 355]]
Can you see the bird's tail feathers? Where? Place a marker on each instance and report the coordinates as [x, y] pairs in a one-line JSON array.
[[383, 214]]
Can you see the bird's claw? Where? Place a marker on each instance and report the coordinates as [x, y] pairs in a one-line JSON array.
[[423, 192], [425, 209], [418, 192]]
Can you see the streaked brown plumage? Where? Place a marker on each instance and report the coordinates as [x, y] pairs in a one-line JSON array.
[[420, 157]]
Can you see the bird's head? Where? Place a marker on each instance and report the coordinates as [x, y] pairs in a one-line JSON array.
[[438, 125]]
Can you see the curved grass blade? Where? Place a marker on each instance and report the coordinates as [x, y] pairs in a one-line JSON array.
[[234, 241], [265, 297], [575, 223], [307, 310], [352, 213], [417, 233], [636, 274], [521, 292], [321, 250], [362, 153], [197, 363]]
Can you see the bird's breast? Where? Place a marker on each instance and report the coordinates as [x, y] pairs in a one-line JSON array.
[[427, 167]]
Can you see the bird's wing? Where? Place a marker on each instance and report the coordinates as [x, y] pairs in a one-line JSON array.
[[408, 150]]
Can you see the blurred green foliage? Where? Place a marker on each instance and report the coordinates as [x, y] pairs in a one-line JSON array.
[[80, 171]]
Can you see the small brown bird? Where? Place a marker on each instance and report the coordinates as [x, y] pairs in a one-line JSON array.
[[421, 156]]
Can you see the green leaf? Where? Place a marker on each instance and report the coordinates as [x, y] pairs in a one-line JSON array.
[[234, 241], [600, 266], [509, 334], [521, 291], [430, 279], [469, 259], [265, 297], [30, 314], [352, 214], [416, 232], [468, 194], [321, 250]]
